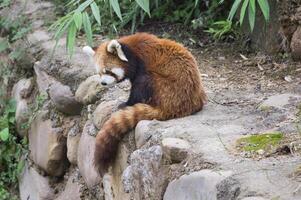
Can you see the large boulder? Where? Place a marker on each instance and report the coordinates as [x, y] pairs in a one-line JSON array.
[[47, 146], [63, 99], [34, 186], [103, 112], [85, 155], [197, 185], [145, 170], [112, 181]]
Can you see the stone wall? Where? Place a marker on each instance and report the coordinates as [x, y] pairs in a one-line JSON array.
[[181, 159]]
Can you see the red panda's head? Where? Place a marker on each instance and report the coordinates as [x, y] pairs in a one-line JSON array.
[[110, 61]]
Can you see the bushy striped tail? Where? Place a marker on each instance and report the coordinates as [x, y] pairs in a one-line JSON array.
[[115, 128]]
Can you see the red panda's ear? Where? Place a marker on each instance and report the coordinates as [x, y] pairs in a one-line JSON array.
[[113, 46]]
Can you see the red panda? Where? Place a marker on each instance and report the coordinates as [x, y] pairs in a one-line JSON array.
[[165, 84]]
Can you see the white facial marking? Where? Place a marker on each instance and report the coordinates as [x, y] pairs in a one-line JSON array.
[[107, 79], [88, 50], [97, 68], [104, 70], [119, 72]]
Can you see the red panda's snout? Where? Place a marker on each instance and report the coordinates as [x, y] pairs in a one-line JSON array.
[[111, 76]]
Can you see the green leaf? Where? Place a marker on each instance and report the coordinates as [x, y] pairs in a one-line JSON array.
[[144, 4], [234, 9], [78, 19], [243, 11], [71, 38], [61, 29], [4, 134], [11, 119], [95, 11], [116, 8], [265, 8], [196, 2], [3, 45], [20, 166], [252, 5], [87, 27], [84, 5], [251, 12]]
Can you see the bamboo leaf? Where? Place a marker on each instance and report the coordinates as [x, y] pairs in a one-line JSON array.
[[87, 28], [253, 6], [84, 5], [71, 38], [265, 8], [251, 12], [196, 2], [96, 13], [234, 9], [243, 11], [144, 4], [115, 5], [78, 19]]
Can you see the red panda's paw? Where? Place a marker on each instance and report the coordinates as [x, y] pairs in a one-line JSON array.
[[105, 152]]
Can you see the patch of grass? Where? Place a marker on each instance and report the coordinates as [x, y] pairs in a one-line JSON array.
[[263, 141], [265, 108]]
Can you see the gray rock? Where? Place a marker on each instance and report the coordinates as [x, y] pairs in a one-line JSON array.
[[71, 191], [197, 185], [145, 170], [38, 36], [63, 99], [108, 187], [43, 79], [103, 112], [90, 90], [176, 149], [112, 182], [68, 71], [34, 186], [296, 44], [279, 100], [143, 132], [229, 188], [72, 144], [85, 155], [21, 91], [254, 198], [47, 146]]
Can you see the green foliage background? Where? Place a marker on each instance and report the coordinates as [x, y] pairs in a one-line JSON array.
[[110, 16]]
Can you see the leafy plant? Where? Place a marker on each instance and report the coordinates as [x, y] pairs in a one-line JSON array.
[[220, 28], [11, 151], [82, 16], [110, 16], [249, 5]]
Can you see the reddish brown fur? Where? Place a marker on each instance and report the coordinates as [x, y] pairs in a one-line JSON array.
[[176, 82]]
